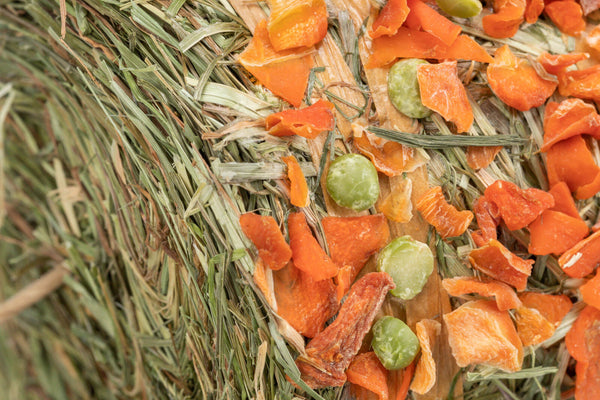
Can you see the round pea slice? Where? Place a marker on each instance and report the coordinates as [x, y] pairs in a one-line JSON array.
[[403, 88], [460, 8], [352, 182], [409, 263], [394, 343]]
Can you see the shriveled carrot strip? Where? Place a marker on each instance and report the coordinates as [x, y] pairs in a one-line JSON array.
[[442, 91], [567, 16], [301, 23], [532, 327], [433, 22], [284, 73], [446, 219], [590, 292], [554, 233], [505, 296], [516, 82], [397, 205], [583, 339], [407, 376], [507, 17], [306, 251], [555, 63], [581, 259], [390, 18], [518, 207], [488, 218], [581, 83], [264, 232], [298, 187], [367, 371], [390, 158], [498, 262], [533, 10], [308, 122], [553, 307], [425, 373], [571, 161], [479, 157], [563, 201], [263, 279], [569, 118]]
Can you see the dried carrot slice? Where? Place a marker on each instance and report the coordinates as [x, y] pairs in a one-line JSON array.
[[583, 339], [515, 81], [552, 306], [479, 157], [397, 205], [554, 233], [442, 91], [488, 218], [308, 122], [264, 232], [581, 259], [563, 201], [590, 292], [556, 63], [479, 333], [298, 187], [446, 219], [567, 16], [366, 370], [465, 48], [571, 161], [433, 22], [390, 18], [330, 352], [533, 10], [581, 83], [425, 373], [570, 118], [284, 73], [263, 279], [587, 383], [505, 296], [592, 39], [507, 18], [302, 23], [588, 190], [306, 251], [497, 261], [389, 158], [532, 327], [518, 207]]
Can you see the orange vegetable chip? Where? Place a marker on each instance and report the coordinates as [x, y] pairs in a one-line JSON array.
[[306, 304], [567, 16], [403, 379], [425, 372], [330, 352], [587, 383], [507, 17], [505, 296], [532, 327], [497, 261], [367, 371], [306, 251], [570, 118], [581, 83], [556, 63], [298, 187], [308, 122], [488, 218], [479, 157], [589, 190], [552, 307], [515, 81], [554, 233], [302, 23], [590, 292], [264, 232], [397, 205], [563, 201], [533, 10], [583, 339], [592, 39], [446, 219], [442, 91], [263, 278], [518, 207], [388, 157], [581, 259], [479, 333], [390, 18], [433, 22]]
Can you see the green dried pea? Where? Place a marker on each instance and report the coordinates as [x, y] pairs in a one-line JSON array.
[[460, 8], [394, 343], [403, 88], [352, 182]]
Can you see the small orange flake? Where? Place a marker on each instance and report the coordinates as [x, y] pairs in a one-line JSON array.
[[554, 233], [581, 83], [488, 218], [397, 205], [298, 186], [506, 19], [390, 18], [556, 63], [446, 219], [572, 117], [532, 327], [301, 23], [388, 157], [590, 292], [553, 307], [425, 373], [308, 122], [367, 371], [567, 16], [581, 259], [433, 22], [583, 339], [479, 157], [505, 296], [563, 201], [533, 10], [264, 232]]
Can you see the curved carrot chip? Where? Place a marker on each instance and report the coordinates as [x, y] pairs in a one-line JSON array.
[[518, 207], [587, 383], [479, 333], [390, 18], [302, 23], [397, 205], [506, 19], [590, 292], [552, 306], [556, 63], [567, 16], [505, 296], [589, 190], [533, 10], [442, 91], [498, 262], [306, 251], [515, 81], [581, 259], [488, 218], [583, 339], [284, 73], [563, 201], [433, 22], [532, 327], [308, 122], [581, 83], [298, 187], [554, 233], [367, 371], [479, 157], [446, 219], [388, 157], [330, 352], [264, 232], [570, 118], [571, 161], [425, 373]]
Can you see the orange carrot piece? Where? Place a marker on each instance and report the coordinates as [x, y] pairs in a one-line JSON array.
[[553, 307], [264, 232], [588, 190], [592, 39], [570, 118], [306, 251], [479, 157], [581, 83], [308, 122], [264, 282], [427, 331], [567, 16], [498, 262], [555, 63], [302, 23], [587, 382], [442, 91], [433, 22], [583, 339], [590, 292], [284, 73], [571, 161], [390, 18], [507, 17], [563, 201], [367, 371], [505, 296], [298, 186], [488, 218], [515, 81], [389, 158], [446, 219], [407, 376], [465, 48], [533, 10], [532, 327], [518, 207], [581, 259], [397, 205], [554, 233]]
